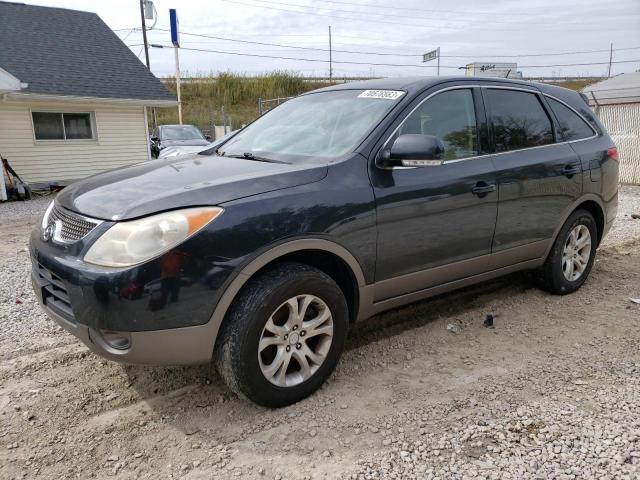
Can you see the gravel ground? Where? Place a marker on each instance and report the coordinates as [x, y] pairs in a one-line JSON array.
[[553, 391]]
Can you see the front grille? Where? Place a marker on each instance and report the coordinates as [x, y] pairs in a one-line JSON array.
[[54, 292], [70, 227]]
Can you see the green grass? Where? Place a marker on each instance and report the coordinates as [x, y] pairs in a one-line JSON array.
[[202, 100]]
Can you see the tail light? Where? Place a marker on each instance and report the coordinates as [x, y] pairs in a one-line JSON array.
[[612, 153]]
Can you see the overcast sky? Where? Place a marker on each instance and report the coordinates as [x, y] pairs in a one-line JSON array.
[[465, 30]]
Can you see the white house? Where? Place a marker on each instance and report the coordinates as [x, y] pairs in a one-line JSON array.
[[73, 97], [616, 101]]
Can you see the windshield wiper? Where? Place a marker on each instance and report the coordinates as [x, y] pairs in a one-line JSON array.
[[251, 156]]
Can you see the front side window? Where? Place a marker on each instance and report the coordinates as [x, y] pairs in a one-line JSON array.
[[62, 126], [571, 126], [323, 125], [451, 117], [519, 120]]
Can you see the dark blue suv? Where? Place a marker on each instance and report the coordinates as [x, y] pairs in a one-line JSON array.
[[336, 205]]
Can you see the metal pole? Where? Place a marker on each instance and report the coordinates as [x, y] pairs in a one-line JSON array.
[[610, 59], [144, 34], [438, 53], [330, 57], [178, 85], [146, 55]]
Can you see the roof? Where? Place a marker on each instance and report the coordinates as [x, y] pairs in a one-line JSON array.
[[623, 88], [415, 84], [61, 52]]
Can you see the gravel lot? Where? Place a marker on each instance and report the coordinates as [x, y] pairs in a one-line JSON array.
[[553, 391]]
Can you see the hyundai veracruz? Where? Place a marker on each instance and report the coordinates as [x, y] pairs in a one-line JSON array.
[[337, 205]]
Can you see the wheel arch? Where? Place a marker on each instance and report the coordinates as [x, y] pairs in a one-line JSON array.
[[330, 257], [590, 202]]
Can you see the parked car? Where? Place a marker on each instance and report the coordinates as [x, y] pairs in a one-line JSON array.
[[179, 151], [334, 206], [178, 137]]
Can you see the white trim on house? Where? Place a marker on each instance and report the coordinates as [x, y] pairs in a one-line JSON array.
[[10, 83], [39, 97]]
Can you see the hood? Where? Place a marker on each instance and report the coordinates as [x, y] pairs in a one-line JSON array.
[[193, 141], [196, 180]]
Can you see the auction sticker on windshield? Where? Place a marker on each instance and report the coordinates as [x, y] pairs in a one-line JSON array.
[[384, 94]]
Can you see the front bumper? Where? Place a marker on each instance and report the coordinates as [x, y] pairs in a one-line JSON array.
[[176, 346], [167, 321]]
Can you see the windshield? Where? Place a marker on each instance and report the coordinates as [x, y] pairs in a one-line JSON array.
[[181, 132], [326, 124]]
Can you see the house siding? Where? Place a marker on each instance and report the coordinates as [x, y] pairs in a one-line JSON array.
[[121, 140]]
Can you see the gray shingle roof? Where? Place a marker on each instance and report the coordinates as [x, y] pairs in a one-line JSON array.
[[68, 52]]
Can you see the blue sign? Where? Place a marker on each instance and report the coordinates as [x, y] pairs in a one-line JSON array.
[[175, 34]]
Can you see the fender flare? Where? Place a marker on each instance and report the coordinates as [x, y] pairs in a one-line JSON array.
[[278, 251], [568, 211]]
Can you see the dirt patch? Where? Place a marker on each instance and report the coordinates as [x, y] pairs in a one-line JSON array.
[[410, 399]]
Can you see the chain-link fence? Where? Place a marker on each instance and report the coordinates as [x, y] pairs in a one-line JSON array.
[[264, 105], [623, 124]]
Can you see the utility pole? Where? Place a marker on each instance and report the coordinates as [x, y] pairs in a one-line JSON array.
[[610, 59], [330, 58], [144, 34], [438, 61]]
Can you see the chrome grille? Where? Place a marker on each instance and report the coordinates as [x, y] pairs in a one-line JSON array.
[[70, 227]]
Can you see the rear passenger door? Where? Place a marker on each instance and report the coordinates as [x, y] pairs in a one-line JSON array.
[[539, 175]]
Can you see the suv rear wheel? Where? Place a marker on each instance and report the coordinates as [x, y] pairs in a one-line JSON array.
[[283, 335], [571, 258]]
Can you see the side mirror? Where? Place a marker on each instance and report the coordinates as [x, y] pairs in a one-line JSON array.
[[155, 139], [413, 150], [207, 138]]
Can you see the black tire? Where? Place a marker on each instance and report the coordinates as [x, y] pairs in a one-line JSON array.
[[551, 275], [236, 351]]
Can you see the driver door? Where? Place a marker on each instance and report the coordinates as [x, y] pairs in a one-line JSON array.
[[436, 223]]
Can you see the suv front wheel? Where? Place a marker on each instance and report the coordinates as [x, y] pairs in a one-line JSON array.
[[283, 335], [572, 255]]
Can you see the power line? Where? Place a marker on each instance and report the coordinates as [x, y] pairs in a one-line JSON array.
[[439, 26], [337, 17], [252, 42], [318, 49], [385, 14], [457, 12], [299, 59], [303, 59]]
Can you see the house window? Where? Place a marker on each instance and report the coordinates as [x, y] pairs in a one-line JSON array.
[[62, 126]]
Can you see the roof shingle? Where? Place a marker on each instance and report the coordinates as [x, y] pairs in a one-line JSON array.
[[73, 53]]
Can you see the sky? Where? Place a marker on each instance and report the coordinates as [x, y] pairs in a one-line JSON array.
[[393, 35]]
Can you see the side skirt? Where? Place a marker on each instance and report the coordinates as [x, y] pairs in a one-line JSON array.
[[369, 308]]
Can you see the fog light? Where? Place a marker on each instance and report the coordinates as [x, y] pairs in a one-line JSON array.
[[117, 340]]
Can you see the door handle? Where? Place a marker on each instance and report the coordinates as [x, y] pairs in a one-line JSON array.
[[482, 189], [571, 169]]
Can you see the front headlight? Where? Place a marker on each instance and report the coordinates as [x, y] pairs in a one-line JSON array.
[[135, 241], [45, 217]]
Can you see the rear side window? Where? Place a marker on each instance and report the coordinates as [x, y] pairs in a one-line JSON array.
[[519, 120], [571, 126], [451, 117]]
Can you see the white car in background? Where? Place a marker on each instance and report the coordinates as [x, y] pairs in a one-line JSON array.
[[177, 151]]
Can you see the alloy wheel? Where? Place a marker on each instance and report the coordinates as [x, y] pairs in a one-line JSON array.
[[576, 253], [295, 340]]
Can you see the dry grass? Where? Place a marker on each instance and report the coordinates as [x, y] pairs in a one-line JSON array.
[[202, 100]]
